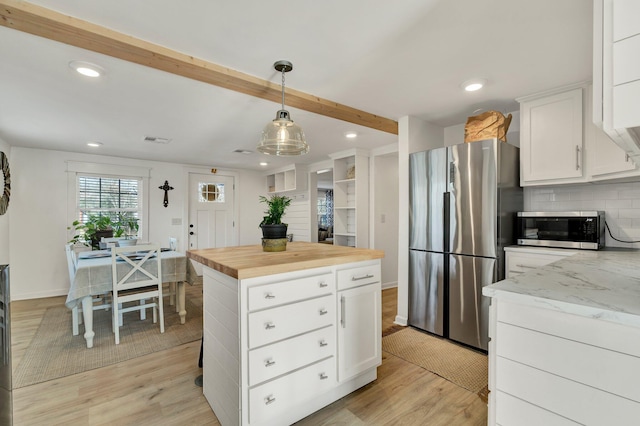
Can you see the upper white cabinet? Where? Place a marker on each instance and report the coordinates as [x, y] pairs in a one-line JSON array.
[[551, 140], [351, 198], [290, 178], [558, 146], [616, 72]]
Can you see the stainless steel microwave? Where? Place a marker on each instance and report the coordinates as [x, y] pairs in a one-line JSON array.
[[577, 230]]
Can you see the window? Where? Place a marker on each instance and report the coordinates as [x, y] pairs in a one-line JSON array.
[[119, 198], [210, 192]]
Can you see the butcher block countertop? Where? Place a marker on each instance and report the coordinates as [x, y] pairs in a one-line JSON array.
[[250, 261]]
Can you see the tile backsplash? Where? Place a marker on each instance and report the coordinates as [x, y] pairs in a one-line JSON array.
[[619, 201]]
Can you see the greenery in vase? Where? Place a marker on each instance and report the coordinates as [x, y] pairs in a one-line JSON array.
[[276, 206], [86, 232]]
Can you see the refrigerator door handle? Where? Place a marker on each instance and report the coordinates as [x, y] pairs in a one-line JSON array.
[[446, 201], [452, 173]]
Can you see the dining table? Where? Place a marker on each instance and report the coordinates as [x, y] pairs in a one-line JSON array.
[[94, 277]]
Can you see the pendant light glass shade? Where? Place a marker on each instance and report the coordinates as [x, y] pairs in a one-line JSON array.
[[282, 136]]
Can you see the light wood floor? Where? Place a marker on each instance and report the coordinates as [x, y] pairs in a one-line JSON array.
[[159, 389]]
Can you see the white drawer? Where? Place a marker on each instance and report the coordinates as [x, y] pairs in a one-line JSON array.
[[273, 398], [279, 358], [279, 323], [274, 294], [355, 277]]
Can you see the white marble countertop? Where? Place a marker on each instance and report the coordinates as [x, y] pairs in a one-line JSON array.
[[601, 284]]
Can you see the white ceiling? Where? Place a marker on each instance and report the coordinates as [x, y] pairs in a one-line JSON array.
[[393, 59]]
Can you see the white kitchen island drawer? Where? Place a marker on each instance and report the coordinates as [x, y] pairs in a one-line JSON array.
[[279, 358], [355, 277], [273, 398], [279, 323], [584, 404], [279, 293]]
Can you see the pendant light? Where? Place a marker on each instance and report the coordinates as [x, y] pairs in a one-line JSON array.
[[282, 136]]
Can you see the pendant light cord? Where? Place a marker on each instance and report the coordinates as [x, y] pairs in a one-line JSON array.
[[283, 87]]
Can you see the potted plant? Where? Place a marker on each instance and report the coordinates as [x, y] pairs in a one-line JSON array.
[[126, 227], [271, 225], [91, 232]]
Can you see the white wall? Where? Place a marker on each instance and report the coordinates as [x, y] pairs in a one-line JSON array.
[[385, 215], [40, 214], [619, 201], [4, 219], [414, 135], [297, 217]]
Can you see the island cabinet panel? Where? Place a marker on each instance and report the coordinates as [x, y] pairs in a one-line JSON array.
[[545, 360], [274, 346]]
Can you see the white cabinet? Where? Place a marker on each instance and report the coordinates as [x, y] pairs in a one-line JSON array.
[[552, 367], [279, 347], [351, 198], [290, 178], [551, 140], [360, 316], [521, 259]]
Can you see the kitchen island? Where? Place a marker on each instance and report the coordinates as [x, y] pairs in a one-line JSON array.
[[565, 342], [287, 333]]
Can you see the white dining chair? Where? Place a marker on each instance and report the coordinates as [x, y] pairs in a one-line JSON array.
[[137, 277], [99, 301]]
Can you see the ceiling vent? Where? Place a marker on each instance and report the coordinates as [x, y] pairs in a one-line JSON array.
[[154, 139], [243, 151]]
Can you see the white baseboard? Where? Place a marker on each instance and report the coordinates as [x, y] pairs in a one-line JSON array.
[[389, 285], [401, 320], [39, 294]]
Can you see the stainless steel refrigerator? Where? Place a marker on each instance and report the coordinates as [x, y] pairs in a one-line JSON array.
[[463, 203]]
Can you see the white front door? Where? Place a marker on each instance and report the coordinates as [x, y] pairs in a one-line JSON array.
[[211, 214]]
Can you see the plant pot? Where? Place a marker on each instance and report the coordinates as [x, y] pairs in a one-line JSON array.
[[274, 244], [274, 231], [95, 241], [127, 242]]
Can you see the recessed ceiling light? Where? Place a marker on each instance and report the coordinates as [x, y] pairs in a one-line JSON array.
[[473, 85], [323, 171], [350, 135], [86, 68], [264, 164], [94, 144]]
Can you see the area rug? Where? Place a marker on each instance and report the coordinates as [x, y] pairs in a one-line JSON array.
[[459, 365], [54, 352]]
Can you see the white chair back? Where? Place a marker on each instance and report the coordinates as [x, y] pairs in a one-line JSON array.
[[137, 276], [72, 261]]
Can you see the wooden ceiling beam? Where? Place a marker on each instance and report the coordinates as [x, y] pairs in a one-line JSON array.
[[36, 20]]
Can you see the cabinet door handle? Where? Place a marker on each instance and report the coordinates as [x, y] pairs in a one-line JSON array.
[[269, 363], [526, 266], [269, 296], [268, 400], [364, 277], [323, 311], [323, 284], [343, 320], [269, 326], [577, 157], [323, 344], [323, 376]]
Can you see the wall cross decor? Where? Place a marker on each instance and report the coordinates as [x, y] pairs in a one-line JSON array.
[[166, 188]]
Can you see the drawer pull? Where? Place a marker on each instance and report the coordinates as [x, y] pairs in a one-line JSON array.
[[323, 311], [526, 266], [323, 376], [323, 284], [323, 344], [268, 400], [364, 277], [269, 363], [269, 296], [269, 326]]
